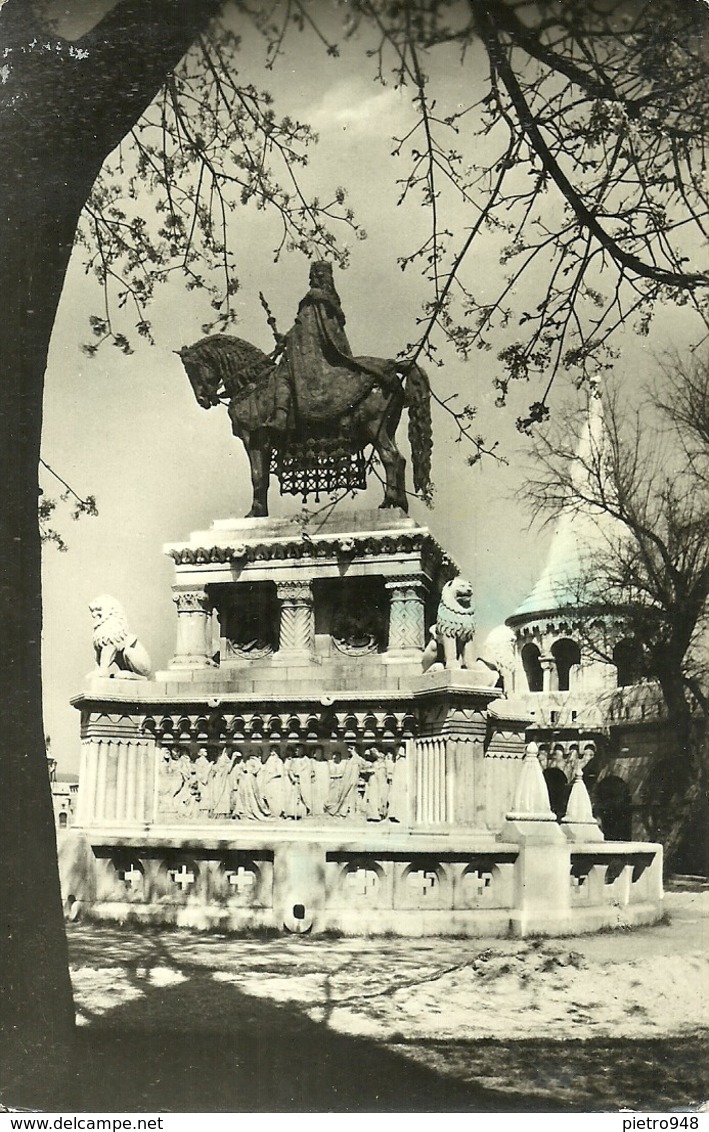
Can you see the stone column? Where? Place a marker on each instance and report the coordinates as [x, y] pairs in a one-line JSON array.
[[548, 664], [295, 640], [194, 629], [407, 618]]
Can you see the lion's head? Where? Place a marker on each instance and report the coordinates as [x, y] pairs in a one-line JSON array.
[[458, 595], [456, 616], [110, 624]]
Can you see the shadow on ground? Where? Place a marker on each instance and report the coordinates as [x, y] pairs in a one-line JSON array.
[[249, 1055], [203, 1046], [200, 1043]]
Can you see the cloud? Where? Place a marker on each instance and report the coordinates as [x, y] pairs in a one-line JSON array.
[[352, 105]]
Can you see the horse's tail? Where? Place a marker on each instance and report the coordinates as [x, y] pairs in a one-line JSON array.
[[418, 400]]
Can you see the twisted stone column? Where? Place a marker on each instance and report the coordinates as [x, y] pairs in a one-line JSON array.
[[296, 628], [407, 616], [194, 629]]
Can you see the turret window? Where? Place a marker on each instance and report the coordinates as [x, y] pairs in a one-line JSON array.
[[567, 656], [532, 667], [628, 660]]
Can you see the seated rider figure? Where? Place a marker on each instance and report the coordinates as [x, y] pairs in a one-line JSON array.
[[314, 348]]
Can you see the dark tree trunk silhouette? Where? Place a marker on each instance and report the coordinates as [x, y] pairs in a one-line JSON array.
[[63, 108]]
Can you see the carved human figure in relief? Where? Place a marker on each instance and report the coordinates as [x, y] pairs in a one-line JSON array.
[[170, 782], [220, 785], [320, 787], [115, 647], [235, 783], [399, 788], [291, 803], [301, 774], [376, 791], [272, 784], [344, 781], [203, 773], [451, 644], [187, 798], [249, 801]]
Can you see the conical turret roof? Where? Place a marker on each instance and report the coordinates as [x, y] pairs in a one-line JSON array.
[[580, 534]]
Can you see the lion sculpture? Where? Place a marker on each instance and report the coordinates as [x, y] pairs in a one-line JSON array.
[[452, 635], [114, 644]]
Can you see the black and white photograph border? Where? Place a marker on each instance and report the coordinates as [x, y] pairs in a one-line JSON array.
[[355, 557]]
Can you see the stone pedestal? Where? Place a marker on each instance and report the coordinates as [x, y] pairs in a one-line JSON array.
[[117, 773], [542, 893], [455, 729], [542, 869], [310, 782], [194, 629]]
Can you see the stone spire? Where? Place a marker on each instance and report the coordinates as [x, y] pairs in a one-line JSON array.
[[578, 535]]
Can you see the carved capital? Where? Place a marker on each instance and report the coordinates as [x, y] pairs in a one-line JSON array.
[[295, 593], [192, 601], [406, 589]]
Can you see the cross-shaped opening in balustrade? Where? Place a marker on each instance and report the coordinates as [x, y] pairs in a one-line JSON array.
[[132, 876], [241, 880], [182, 877], [362, 881], [424, 882], [478, 883], [579, 891]]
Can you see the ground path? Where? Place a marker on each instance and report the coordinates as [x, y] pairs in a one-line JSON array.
[[183, 1022]]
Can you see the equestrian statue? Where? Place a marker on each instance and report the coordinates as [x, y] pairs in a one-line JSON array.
[[308, 411]]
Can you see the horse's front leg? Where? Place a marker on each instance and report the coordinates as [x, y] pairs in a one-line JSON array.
[[259, 455]]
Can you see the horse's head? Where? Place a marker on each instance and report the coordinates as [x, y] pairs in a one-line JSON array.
[[203, 377]]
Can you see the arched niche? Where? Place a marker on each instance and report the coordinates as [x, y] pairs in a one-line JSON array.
[[628, 660], [558, 789], [567, 656], [533, 667]]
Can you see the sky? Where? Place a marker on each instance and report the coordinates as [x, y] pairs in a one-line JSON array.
[[128, 430]]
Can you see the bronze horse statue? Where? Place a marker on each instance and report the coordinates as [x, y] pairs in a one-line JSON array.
[[359, 401]]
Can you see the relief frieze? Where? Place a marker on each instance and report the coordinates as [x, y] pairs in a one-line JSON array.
[[283, 783]]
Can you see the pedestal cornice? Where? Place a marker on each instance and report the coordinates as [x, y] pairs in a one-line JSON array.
[[353, 539]]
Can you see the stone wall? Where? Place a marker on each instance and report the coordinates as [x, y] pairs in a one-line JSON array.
[[420, 887]]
